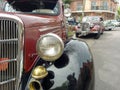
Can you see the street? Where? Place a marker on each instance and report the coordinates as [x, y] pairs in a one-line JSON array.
[[106, 54]]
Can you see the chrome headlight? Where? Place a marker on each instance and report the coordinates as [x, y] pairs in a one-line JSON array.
[[50, 47], [91, 25]]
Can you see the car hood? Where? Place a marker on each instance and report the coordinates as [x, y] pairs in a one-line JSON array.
[[34, 21]]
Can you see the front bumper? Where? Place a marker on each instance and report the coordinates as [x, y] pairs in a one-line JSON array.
[[84, 33]]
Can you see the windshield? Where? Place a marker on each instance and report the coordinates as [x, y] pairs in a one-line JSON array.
[[90, 19], [37, 6]]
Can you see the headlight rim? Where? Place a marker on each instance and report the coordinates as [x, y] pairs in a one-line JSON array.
[[50, 58]]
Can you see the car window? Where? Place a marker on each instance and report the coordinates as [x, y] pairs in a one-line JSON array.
[[91, 19], [37, 6]]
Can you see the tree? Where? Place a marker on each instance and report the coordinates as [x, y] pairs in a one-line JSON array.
[[118, 13], [67, 1]]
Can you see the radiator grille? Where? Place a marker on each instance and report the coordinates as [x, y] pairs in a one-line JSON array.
[[85, 26], [8, 53]]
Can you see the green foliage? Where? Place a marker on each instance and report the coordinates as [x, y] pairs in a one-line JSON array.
[[118, 13], [67, 1]]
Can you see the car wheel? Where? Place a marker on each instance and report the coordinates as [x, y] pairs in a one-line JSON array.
[[110, 29], [97, 36]]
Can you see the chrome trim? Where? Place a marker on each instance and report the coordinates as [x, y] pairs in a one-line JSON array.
[[8, 40], [4, 82], [49, 57], [8, 60], [19, 57], [49, 28]]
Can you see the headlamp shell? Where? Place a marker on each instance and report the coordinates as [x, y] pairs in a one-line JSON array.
[[50, 47], [91, 25]]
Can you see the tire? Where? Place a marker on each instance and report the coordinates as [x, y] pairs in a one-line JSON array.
[[97, 36]]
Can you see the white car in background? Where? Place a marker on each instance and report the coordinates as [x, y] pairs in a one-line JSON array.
[[109, 25], [115, 23]]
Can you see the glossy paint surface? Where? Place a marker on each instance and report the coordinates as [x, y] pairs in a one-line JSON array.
[[36, 25], [78, 72], [74, 70]]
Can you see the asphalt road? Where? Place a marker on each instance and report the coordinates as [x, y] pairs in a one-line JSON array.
[[106, 54]]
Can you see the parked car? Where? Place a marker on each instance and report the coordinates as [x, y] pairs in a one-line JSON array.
[[115, 23], [35, 53], [109, 25], [91, 24]]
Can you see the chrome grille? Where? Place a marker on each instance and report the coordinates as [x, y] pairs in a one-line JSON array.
[[9, 50], [85, 26]]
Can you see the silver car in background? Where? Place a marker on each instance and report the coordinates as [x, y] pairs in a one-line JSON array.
[[111, 24]]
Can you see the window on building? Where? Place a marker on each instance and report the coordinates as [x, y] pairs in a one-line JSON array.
[[105, 5], [79, 7], [111, 8], [93, 5]]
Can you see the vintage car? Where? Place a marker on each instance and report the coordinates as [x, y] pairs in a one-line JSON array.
[[34, 51], [91, 25]]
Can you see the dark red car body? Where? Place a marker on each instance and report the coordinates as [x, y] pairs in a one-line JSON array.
[[73, 70]]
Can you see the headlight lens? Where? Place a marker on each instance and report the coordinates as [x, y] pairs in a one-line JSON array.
[[50, 47], [91, 25]]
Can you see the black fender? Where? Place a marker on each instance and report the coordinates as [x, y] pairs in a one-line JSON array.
[[74, 70]]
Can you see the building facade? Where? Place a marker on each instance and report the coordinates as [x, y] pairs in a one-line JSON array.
[[105, 8]]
